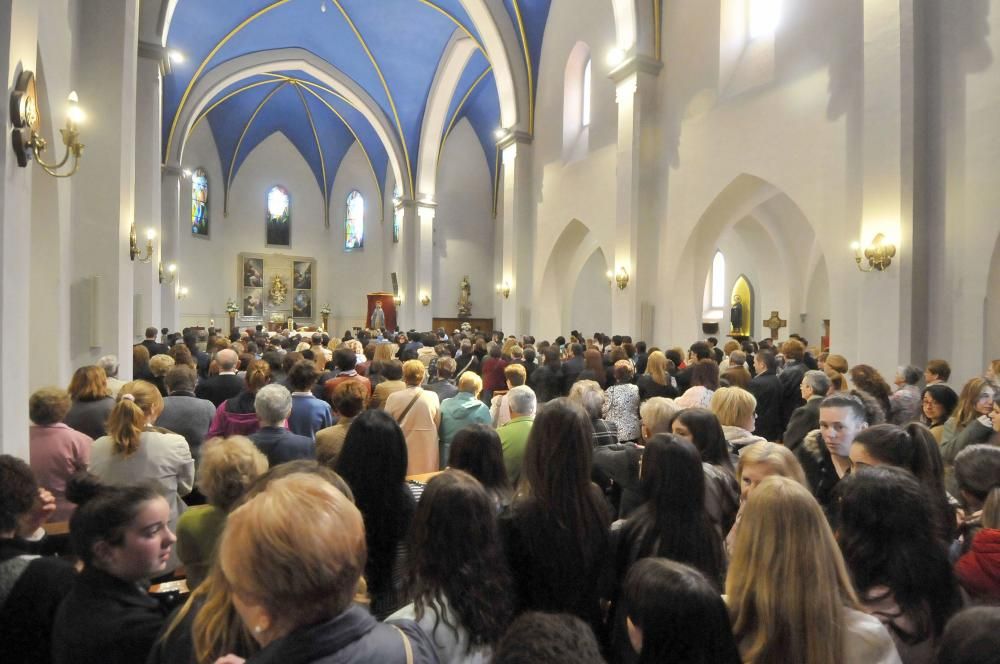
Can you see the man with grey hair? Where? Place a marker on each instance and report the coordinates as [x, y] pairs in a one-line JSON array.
[[905, 402], [514, 434], [273, 405], [616, 467], [110, 365], [589, 395], [227, 384], [815, 386]]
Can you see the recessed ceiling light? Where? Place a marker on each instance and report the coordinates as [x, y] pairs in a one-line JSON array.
[[176, 56]]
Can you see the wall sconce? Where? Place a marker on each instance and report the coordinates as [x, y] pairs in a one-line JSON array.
[[425, 299], [182, 292], [879, 254], [398, 301], [621, 278], [133, 245], [27, 142], [167, 276], [504, 289]]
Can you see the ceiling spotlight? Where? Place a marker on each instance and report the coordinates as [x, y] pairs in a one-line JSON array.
[[322, 6], [186, 172], [615, 57], [176, 56], [499, 133]]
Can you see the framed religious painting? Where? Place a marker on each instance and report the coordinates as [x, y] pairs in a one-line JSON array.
[[253, 272], [302, 274], [278, 223], [252, 307], [302, 304]]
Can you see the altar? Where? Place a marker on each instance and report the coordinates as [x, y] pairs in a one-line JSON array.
[[275, 287]]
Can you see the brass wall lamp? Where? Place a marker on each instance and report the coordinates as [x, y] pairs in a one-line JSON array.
[[26, 119], [878, 254]]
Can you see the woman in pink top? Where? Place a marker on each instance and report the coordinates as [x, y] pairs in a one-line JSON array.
[[56, 451]]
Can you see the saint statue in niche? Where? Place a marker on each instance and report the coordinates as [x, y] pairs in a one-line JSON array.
[[736, 315], [465, 298]]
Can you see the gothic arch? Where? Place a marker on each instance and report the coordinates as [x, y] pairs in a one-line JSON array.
[[569, 254]]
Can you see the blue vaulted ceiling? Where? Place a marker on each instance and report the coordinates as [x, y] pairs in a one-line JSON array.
[[390, 48]]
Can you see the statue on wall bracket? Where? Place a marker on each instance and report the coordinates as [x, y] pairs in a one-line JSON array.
[[465, 298], [279, 291]]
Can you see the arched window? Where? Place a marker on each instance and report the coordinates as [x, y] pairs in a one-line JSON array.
[[585, 103], [577, 102], [279, 219], [763, 17], [199, 203], [718, 281], [397, 223], [354, 224]]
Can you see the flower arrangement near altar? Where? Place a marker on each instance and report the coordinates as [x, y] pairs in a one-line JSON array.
[[325, 310], [232, 307]]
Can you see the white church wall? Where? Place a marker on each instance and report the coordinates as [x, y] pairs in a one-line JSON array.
[[51, 254], [591, 305], [208, 267], [463, 226], [965, 201], [583, 188], [789, 132]]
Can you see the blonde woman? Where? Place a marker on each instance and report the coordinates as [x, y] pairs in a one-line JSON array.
[[135, 451], [418, 413], [757, 462], [292, 557], [228, 466], [737, 412], [789, 594], [656, 381], [970, 423]]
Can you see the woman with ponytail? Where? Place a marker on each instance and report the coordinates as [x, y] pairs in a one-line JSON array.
[[236, 416], [122, 536], [136, 451], [912, 447]]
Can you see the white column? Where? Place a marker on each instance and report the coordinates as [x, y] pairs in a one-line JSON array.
[[19, 29], [103, 190], [423, 275], [147, 187], [170, 227], [517, 232], [409, 285], [883, 306], [634, 88]]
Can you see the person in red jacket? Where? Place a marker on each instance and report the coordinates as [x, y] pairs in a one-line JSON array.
[[979, 569]]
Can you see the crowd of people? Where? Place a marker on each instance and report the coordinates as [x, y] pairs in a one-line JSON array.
[[475, 498]]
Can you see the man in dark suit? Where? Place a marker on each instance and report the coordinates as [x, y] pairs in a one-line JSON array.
[[766, 388], [700, 350], [641, 358], [791, 378], [151, 345], [815, 386], [572, 367], [227, 384], [201, 358], [273, 404]]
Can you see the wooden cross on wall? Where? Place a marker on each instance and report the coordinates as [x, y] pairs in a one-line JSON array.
[[775, 323]]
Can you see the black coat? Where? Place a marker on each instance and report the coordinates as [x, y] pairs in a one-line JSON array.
[[28, 609], [155, 348], [804, 419], [279, 445], [353, 637], [766, 388], [649, 388], [547, 382], [791, 395], [220, 388], [105, 620], [571, 369]]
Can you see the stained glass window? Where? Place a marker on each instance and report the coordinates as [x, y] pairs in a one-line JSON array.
[[397, 223], [718, 280], [354, 225], [199, 203], [279, 221]]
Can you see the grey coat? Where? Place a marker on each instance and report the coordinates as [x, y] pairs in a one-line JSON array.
[[189, 416]]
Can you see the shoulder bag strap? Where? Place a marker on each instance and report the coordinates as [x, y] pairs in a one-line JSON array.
[[406, 411], [407, 647]]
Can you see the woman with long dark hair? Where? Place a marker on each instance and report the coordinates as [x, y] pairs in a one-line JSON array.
[[373, 462], [722, 494], [458, 577], [477, 450], [914, 449], [556, 530], [676, 615], [899, 565]]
